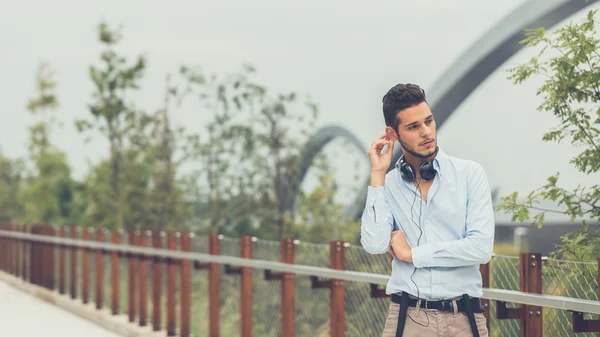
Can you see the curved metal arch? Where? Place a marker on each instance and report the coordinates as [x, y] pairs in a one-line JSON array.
[[481, 59], [316, 143]]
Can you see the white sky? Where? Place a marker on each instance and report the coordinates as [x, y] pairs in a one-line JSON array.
[[345, 55]]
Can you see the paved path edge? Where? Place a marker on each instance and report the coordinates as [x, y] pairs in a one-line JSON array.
[[118, 324]]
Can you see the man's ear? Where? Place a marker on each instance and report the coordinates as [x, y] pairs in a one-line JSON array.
[[390, 133]]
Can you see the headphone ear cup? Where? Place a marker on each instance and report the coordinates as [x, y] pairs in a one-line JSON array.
[[407, 172], [427, 171]]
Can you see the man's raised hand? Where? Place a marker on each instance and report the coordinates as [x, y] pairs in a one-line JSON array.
[[380, 162]]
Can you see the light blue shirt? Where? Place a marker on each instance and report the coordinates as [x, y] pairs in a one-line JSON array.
[[457, 223]]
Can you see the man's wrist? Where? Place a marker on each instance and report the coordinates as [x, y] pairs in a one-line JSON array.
[[407, 255], [377, 178], [402, 253]]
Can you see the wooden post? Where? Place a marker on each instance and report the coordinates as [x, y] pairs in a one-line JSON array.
[[246, 288], [85, 271], [4, 250], [530, 277], [74, 250], [3, 246], [288, 284], [16, 244], [33, 253], [11, 245], [39, 265], [143, 280], [14, 247], [9, 249], [18, 253], [61, 262], [115, 268], [337, 294], [49, 259], [213, 287], [15, 251], [34, 257], [134, 237], [534, 327], [99, 283], [156, 281], [171, 284], [12, 242], [484, 269], [186, 287], [25, 253]]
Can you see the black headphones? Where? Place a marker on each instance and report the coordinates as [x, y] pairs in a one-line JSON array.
[[426, 170]]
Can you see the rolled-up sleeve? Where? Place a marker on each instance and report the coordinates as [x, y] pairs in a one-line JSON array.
[[376, 222]]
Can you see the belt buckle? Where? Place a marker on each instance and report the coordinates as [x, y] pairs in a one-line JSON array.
[[427, 307]]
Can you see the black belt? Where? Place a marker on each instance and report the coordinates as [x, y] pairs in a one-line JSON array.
[[443, 305], [469, 305]]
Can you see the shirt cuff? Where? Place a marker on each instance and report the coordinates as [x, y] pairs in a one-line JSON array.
[[374, 193], [422, 256]]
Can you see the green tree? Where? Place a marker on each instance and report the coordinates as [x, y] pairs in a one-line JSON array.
[[171, 148], [250, 155], [321, 218], [112, 115], [570, 62], [10, 183], [224, 150], [47, 193], [282, 130], [42, 106]]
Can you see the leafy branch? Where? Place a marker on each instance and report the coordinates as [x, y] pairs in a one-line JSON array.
[[571, 92]]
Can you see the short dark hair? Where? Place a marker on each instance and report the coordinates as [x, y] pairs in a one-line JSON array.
[[398, 98]]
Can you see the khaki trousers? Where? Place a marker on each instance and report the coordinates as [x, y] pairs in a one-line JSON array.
[[431, 323]]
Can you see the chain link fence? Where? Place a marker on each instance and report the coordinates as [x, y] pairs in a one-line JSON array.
[[312, 305], [267, 306], [569, 279], [365, 315], [504, 274]]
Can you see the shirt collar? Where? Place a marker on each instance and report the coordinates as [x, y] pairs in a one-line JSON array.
[[439, 161]]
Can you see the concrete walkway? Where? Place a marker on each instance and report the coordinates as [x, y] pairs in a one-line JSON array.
[[22, 315]]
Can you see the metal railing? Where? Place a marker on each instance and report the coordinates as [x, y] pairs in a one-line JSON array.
[[242, 285]]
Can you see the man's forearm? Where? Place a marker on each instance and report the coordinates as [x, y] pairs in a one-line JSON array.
[[478, 244], [376, 225], [472, 250]]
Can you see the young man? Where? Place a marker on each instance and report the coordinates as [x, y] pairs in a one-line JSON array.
[[433, 213]]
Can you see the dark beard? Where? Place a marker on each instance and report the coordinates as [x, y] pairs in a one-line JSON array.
[[418, 155]]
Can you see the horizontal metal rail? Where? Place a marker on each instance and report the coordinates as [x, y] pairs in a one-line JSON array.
[[548, 301]]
